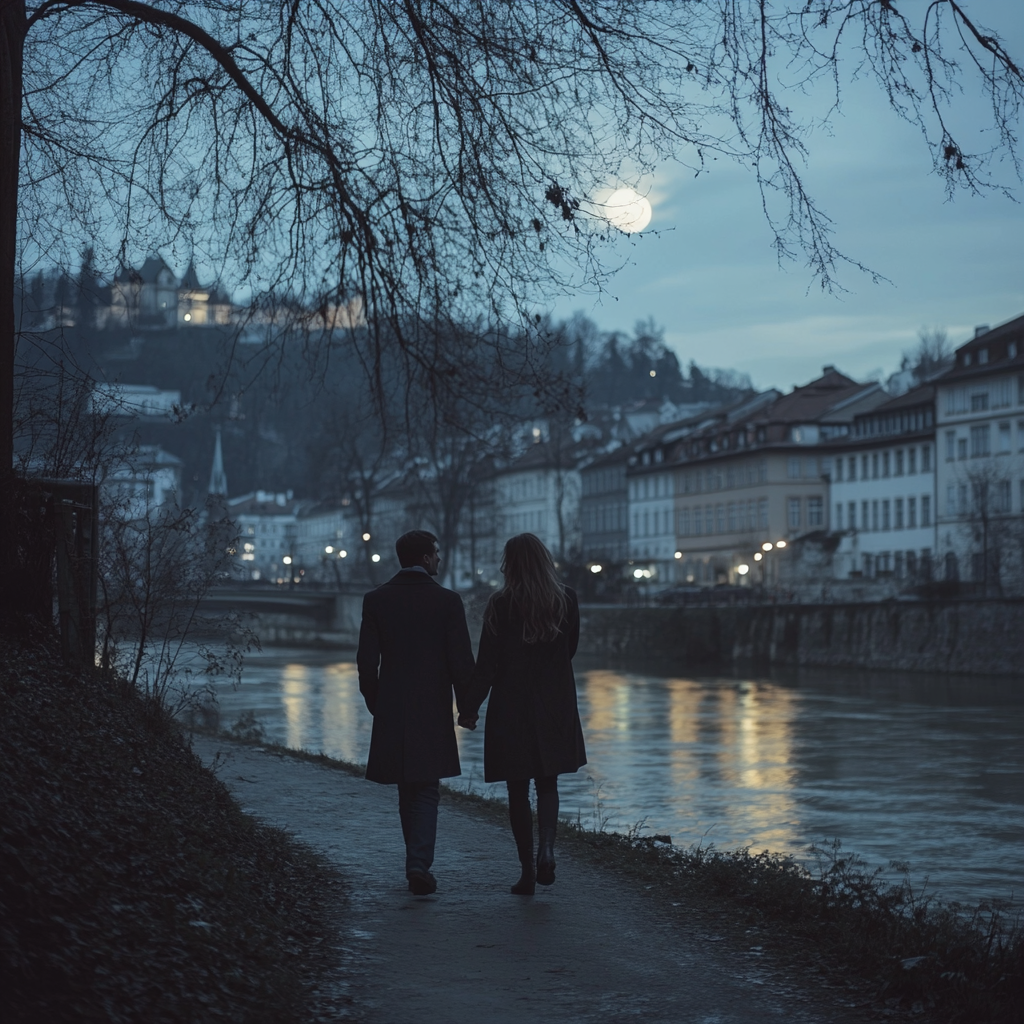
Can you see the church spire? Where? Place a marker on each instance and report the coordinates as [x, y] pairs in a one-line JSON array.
[[218, 478]]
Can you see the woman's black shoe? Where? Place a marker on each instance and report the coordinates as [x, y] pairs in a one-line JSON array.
[[546, 857], [525, 886]]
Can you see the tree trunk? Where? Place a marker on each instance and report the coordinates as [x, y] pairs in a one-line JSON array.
[[12, 37]]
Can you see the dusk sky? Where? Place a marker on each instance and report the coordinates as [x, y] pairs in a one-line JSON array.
[[706, 271]]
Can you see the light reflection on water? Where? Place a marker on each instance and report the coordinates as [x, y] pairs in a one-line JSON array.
[[897, 766]]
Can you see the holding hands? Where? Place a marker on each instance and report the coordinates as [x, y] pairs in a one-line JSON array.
[[468, 721]]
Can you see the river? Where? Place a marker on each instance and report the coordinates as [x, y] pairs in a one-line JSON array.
[[902, 767]]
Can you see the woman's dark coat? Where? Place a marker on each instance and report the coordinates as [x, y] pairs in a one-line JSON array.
[[533, 724], [414, 649]]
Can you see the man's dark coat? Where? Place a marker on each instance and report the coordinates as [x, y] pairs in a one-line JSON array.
[[533, 723], [414, 649]]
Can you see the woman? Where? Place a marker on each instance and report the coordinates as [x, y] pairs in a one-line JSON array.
[[531, 628]]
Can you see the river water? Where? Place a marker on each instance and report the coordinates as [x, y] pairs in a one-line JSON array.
[[898, 767]]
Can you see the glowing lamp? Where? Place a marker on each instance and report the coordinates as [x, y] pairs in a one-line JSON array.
[[329, 549], [596, 568], [287, 559], [374, 558], [767, 546], [743, 569], [780, 543], [366, 536]]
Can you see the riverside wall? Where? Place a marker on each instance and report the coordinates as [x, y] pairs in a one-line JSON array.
[[984, 637]]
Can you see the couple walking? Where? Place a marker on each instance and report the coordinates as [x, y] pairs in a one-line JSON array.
[[414, 650]]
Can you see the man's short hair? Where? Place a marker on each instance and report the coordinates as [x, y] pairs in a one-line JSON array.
[[413, 546]]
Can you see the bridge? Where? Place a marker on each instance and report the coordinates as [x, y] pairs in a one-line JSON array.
[[292, 615]]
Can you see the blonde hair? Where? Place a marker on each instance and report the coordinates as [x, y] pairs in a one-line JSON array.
[[533, 588]]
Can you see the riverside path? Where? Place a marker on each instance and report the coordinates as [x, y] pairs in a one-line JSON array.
[[591, 948]]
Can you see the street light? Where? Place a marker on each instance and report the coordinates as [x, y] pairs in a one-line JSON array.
[[366, 536], [678, 554], [343, 553], [743, 569], [287, 559], [329, 549], [766, 546], [780, 543], [375, 558], [758, 557], [596, 568]]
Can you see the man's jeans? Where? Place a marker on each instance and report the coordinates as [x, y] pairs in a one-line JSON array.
[[417, 805]]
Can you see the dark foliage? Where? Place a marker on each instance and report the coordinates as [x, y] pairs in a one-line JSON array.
[[133, 887]]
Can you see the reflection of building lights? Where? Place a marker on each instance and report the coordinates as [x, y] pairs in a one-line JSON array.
[[758, 557], [766, 546], [249, 547], [596, 568], [329, 549], [248, 558], [743, 569], [287, 559], [366, 536], [780, 543], [374, 558], [343, 553], [678, 554]]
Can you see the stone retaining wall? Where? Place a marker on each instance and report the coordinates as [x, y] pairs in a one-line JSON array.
[[983, 637]]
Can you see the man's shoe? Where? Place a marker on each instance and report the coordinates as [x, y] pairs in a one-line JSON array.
[[421, 883]]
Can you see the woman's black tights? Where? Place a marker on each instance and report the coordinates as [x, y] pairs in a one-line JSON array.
[[520, 816]]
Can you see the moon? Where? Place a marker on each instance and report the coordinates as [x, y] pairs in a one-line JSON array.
[[627, 210]]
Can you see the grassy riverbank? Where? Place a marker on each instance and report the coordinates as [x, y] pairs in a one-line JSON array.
[[894, 954], [132, 887]]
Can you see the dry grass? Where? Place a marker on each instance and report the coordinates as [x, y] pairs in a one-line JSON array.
[[132, 887]]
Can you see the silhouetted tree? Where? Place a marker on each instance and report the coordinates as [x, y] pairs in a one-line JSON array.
[[429, 159]]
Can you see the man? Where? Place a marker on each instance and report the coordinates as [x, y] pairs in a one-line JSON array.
[[414, 650]]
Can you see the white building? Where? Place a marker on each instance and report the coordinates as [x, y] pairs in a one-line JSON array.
[[147, 479], [539, 493], [267, 525], [326, 541], [980, 474], [882, 492]]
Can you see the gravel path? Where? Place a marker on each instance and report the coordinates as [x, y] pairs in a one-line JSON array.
[[591, 948]]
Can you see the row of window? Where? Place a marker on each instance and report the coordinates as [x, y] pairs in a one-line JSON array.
[[981, 498], [524, 522], [884, 514], [726, 517], [995, 395], [713, 478], [980, 441], [901, 564], [605, 517], [873, 465]]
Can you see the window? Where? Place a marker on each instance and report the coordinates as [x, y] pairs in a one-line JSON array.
[[684, 523], [980, 441], [961, 448], [720, 518], [762, 513], [979, 401], [886, 522], [698, 522], [731, 513], [885, 463], [1001, 498], [911, 461], [793, 469], [793, 513], [853, 467], [864, 521], [898, 513], [911, 513], [899, 462], [926, 458], [1004, 442], [874, 465], [815, 512], [898, 565], [838, 524], [982, 356], [863, 467], [874, 516], [1001, 394], [811, 470], [912, 563], [851, 512], [839, 471], [961, 499]]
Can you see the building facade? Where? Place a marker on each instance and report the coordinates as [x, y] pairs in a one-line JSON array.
[[882, 492], [980, 467]]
